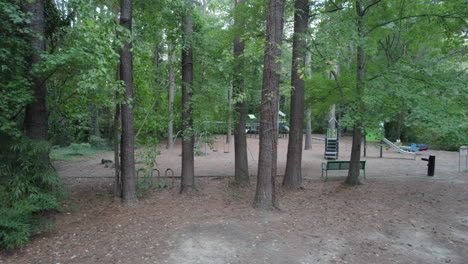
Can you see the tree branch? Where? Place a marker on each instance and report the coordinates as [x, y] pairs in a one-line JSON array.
[[406, 17], [369, 6], [338, 85]]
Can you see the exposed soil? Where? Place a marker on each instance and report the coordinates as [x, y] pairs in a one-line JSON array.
[[399, 215]]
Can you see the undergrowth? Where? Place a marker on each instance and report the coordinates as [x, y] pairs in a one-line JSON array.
[[29, 188], [76, 152]]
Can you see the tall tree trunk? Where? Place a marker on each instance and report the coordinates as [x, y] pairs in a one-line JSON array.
[[265, 192], [293, 174], [96, 128], [205, 7], [241, 167], [116, 130], [353, 172], [308, 136], [332, 123], [188, 163], [128, 133], [35, 121], [308, 113], [229, 121], [171, 86]]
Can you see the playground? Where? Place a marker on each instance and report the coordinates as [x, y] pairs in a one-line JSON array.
[[399, 214], [219, 161]]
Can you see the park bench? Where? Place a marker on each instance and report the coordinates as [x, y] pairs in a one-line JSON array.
[[340, 165]]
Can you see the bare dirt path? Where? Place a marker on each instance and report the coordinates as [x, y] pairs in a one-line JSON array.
[[398, 216]]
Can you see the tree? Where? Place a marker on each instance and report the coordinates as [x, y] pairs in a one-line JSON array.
[[128, 133], [265, 197], [171, 87], [241, 174], [35, 121], [188, 163], [293, 175]]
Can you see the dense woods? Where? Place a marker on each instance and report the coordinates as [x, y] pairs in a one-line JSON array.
[[129, 74]]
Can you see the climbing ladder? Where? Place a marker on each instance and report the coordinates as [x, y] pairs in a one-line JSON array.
[[332, 142]]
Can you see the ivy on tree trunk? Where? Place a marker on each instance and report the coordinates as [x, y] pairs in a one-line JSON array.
[[188, 163]]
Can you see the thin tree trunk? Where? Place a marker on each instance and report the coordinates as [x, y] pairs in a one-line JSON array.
[[35, 121], [128, 133], [308, 113], [331, 120], [293, 174], [229, 121], [188, 163], [353, 172], [241, 167], [308, 136], [116, 129], [96, 128], [265, 197], [205, 7], [171, 77]]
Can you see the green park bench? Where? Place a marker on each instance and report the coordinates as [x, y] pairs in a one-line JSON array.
[[340, 165]]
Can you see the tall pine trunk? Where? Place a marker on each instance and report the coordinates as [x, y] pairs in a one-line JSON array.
[[171, 88], [241, 174], [265, 197], [35, 121], [128, 133], [293, 174], [188, 163]]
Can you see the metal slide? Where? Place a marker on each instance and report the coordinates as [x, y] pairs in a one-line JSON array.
[[398, 148]]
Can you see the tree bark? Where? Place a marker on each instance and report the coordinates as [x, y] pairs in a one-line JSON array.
[[96, 128], [265, 197], [241, 167], [188, 163], [35, 121], [171, 86], [229, 121], [128, 133], [116, 130], [331, 116], [293, 174], [308, 136], [353, 172]]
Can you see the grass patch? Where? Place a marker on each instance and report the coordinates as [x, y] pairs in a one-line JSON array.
[[76, 152]]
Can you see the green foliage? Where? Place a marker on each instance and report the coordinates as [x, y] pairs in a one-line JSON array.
[[14, 85], [28, 188], [415, 69], [98, 142], [76, 151]]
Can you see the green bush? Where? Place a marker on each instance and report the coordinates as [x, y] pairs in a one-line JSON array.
[[28, 188], [98, 142]]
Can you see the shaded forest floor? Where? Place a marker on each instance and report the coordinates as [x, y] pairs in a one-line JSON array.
[[399, 215]]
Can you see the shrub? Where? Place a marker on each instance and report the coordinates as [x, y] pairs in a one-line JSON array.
[[28, 188], [98, 142]]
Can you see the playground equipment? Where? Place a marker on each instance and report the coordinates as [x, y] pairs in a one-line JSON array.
[[332, 140], [399, 149], [252, 125]]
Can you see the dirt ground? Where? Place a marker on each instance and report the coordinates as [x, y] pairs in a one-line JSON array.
[[399, 215]]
